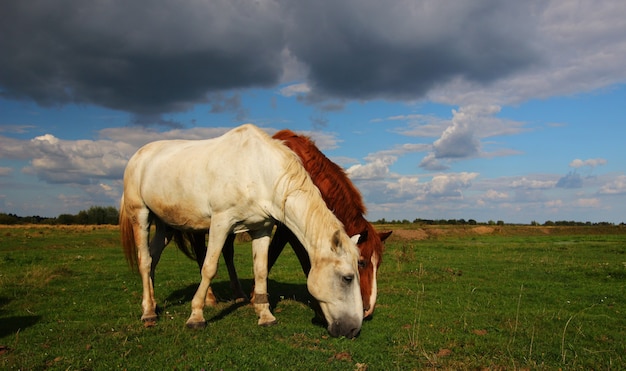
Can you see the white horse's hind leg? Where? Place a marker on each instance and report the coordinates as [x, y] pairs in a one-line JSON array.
[[208, 271], [260, 244], [141, 231]]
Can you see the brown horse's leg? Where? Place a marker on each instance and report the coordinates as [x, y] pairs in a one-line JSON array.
[[277, 244], [305, 263], [301, 253], [198, 243], [228, 252], [162, 236], [279, 240], [282, 236]]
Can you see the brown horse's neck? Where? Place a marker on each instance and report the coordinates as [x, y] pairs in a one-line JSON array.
[[340, 195]]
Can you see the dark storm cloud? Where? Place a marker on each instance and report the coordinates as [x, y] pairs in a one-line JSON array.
[[151, 58], [401, 49], [141, 57]]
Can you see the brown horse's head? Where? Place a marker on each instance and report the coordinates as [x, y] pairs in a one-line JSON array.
[[371, 251]]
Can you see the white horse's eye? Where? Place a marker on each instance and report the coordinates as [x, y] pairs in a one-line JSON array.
[[348, 279]]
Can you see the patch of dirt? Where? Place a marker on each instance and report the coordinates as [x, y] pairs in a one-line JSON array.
[[76, 227], [444, 352], [483, 230], [426, 232], [410, 234]]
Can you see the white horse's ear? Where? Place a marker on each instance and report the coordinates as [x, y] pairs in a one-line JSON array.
[[355, 238], [336, 241]]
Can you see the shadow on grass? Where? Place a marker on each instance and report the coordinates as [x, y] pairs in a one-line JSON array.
[[277, 291], [11, 325]]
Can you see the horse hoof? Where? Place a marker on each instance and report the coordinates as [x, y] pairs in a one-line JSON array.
[[150, 319], [268, 324], [196, 325]]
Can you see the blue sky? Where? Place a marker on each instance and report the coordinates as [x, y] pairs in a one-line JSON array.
[[485, 110]]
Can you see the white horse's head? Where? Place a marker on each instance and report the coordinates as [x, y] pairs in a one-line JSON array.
[[334, 282]]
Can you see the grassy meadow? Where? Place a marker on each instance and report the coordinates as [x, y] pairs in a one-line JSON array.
[[450, 297]]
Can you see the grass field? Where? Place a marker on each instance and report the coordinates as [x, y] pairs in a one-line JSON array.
[[465, 297]]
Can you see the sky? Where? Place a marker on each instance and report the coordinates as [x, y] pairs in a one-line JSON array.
[[437, 109]]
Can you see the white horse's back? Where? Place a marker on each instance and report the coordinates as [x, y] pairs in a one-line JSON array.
[[185, 182]]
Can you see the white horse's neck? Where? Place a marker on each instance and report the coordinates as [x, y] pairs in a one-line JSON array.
[[307, 216], [301, 206]]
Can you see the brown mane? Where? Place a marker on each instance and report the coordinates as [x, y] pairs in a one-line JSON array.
[[340, 195]]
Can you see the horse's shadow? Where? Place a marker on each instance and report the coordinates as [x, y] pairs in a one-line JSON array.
[[11, 325], [277, 291]]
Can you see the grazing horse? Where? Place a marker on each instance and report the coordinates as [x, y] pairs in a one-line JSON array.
[[241, 181], [342, 197]]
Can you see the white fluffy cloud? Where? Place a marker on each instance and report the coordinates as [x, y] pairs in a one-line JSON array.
[[376, 168], [60, 161], [614, 187], [450, 185], [494, 195], [592, 163], [460, 137], [56, 160], [526, 183]]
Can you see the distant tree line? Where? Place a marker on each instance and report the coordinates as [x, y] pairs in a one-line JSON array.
[[110, 215], [571, 223], [548, 223], [420, 221], [95, 215]]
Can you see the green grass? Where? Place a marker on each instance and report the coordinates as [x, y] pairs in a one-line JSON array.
[[514, 298]]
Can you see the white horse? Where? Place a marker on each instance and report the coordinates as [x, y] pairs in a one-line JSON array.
[[241, 181]]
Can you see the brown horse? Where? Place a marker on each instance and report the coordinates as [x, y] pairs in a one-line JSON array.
[[342, 197]]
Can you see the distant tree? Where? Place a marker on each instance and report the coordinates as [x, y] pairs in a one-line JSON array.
[[82, 217], [112, 215], [9, 218], [102, 215], [66, 219]]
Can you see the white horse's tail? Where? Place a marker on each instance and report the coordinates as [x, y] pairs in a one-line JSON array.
[[128, 237]]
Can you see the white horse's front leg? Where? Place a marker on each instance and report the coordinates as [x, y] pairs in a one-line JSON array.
[[260, 245], [208, 272]]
